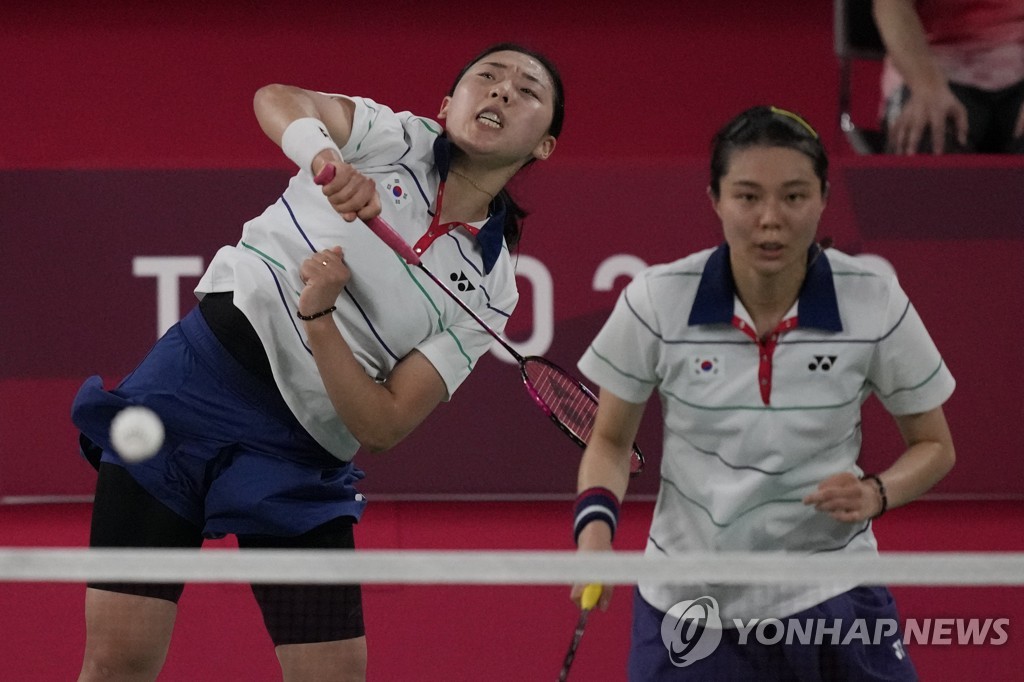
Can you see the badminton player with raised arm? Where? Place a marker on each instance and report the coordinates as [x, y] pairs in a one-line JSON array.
[[762, 351], [312, 339]]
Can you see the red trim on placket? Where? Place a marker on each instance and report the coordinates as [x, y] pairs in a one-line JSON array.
[[436, 229], [765, 351]]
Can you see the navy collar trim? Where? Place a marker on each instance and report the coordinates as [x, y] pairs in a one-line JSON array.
[[716, 293], [491, 236]]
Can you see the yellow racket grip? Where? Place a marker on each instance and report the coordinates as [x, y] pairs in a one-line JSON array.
[[591, 593]]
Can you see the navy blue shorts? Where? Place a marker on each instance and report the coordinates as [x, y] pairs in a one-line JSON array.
[[234, 459], [865, 618]]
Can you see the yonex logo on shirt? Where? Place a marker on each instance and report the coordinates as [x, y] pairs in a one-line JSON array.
[[822, 362], [462, 281]]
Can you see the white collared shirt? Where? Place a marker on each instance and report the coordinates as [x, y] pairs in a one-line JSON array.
[[388, 308], [735, 468]]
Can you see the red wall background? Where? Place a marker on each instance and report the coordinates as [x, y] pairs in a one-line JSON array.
[[169, 85], [128, 131]]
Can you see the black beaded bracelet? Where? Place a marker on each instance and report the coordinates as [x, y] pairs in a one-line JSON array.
[[881, 492], [307, 318]]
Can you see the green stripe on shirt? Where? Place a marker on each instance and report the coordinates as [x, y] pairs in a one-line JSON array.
[[912, 388], [265, 256], [440, 322], [622, 372]]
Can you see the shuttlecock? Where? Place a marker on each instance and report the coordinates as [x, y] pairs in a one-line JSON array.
[[136, 433]]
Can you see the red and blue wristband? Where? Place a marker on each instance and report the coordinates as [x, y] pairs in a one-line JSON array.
[[595, 504]]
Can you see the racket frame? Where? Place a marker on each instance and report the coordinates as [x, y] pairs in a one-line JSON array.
[[545, 408]]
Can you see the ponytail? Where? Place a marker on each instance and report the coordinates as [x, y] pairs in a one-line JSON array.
[[514, 217]]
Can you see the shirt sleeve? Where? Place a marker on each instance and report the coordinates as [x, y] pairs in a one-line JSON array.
[[623, 357], [907, 371], [455, 350], [382, 137]]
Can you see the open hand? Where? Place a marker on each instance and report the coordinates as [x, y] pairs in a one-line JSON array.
[[845, 497], [931, 111]]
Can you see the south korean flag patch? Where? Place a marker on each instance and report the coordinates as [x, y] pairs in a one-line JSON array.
[[394, 189], [706, 367]]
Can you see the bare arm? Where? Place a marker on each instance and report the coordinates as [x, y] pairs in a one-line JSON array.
[[928, 458], [606, 459], [931, 103], [605, 464], [378, 415], [277, 106]]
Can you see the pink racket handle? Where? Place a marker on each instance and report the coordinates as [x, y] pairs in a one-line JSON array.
[[385, 232]]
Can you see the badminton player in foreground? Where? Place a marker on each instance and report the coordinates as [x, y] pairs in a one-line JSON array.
[[313, 340], [762, 351]]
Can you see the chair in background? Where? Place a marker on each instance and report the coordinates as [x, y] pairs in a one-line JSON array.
[[856, 37]]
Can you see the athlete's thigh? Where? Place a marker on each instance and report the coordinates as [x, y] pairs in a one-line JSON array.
[[341, 660], [126, 515], [309, 613], [128, 620], [127, 635]]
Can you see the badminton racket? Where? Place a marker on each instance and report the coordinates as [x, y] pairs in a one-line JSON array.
[[563, 398], [588, 600]]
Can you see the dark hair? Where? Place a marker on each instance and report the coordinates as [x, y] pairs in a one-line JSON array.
[[515, 214], [766, 126], [558, 104]]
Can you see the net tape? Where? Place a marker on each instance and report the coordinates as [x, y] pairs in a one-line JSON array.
[[504, 567]]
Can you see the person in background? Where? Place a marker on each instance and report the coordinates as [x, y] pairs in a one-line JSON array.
[[762, 351], [953, 78]]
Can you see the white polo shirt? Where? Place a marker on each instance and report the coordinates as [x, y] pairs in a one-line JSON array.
[[752, 428], [388, 308]]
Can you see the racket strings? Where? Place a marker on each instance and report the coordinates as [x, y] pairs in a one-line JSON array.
[[566, 399], [569, 402]]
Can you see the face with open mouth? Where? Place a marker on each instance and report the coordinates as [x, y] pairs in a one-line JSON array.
[[770, 205], [501, 110]]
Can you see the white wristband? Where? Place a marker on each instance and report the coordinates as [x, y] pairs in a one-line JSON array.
[[303, 139]]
